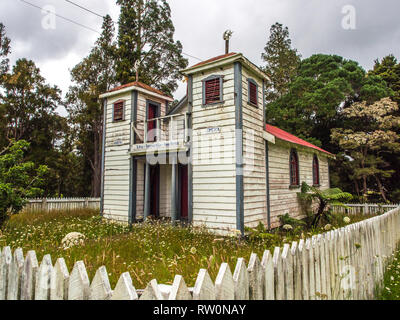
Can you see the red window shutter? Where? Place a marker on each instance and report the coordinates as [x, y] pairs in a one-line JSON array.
[[118, 111], [212, 91], [253, 93]]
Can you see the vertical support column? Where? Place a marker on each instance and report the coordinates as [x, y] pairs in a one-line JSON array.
[[190, 152], [147, 192], [103, 151], [239, 148], [174, 211]]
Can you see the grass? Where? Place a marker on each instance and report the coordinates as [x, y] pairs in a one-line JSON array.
[[391, 286], [153, 250]]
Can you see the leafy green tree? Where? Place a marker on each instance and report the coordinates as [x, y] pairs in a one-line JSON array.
[[146, 35], [28, 106], [19, 179], [324, 198], [366, 137], [281, 60], [91, 77], [324, 85], [4, 51]]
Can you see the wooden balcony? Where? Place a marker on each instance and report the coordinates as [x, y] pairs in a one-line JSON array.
[[163, 134]]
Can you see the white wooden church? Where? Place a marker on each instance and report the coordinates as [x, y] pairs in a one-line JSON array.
[[210, 160]]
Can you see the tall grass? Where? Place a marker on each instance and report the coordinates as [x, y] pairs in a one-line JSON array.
[[153, 250]]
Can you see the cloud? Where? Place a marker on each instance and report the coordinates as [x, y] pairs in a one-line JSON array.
[[314, 25]]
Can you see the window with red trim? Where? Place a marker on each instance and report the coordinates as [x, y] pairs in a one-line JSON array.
[[315, 171], [253, 96], [212, 91], [294, 169], [118, 111]]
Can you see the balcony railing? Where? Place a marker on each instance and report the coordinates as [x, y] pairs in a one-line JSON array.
[[163, 131]]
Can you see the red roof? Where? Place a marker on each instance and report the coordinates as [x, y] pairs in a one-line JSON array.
[[214, 59], [141, 85], [286, 136]]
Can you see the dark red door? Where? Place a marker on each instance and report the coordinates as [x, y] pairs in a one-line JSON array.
[[183, 176], [152, 113], [154, 186]]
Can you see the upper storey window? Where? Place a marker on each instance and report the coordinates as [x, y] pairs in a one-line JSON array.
[[118, 111], [252, 92], [212, 90]]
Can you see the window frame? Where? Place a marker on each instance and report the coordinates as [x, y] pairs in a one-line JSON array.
[[123, 110], [315, 164], [252, 81], [221, 89], [293, 152]]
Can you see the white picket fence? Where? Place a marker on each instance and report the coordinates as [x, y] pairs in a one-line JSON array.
[[365, 208], [346, 263], [48, 204]]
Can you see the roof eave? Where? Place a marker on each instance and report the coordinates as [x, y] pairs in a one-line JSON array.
[[128, 89]]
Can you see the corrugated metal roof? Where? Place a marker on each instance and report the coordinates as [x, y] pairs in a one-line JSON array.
[[286, 136], [213, 59]]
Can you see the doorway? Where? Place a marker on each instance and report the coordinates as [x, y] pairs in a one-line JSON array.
[[154, 191]]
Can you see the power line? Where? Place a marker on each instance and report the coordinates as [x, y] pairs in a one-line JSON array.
[[116, 23], [86, 9], [59, 16]]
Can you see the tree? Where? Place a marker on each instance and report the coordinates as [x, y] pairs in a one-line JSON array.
[[4, 51], [367, 136], [281, 62], [324, 85], [325, 198], [18, 179], [91, 77], [146, 35]]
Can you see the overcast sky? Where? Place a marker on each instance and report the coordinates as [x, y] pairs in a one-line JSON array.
[[315, 26]]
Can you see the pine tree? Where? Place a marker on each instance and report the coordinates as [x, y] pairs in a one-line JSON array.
[[146, 35], [4, 51], [282, 62], [92, 77]]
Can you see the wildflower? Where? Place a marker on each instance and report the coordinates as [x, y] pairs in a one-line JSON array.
[[346, 220], [328, 227], [193, 250], [287, 227]]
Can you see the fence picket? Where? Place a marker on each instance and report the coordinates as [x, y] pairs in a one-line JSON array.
[[279, 278], [78, 284], [42, 286], [15, 275], [100, 288], [268, 265], [124, 290], [152, 292], [287, 265], [305, 283], [179, 290], [59, 281], [204, 288], [224, 285], [256, 278], [296, 260], [241, 280], [311, 270], [5, 263], [29, 274]]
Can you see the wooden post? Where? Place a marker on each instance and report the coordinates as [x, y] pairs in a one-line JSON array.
[[147, 192], [174, 211]]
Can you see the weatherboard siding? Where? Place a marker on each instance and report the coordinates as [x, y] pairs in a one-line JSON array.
[[254, 182], [117, 164], [214, 171], [283, 199]]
